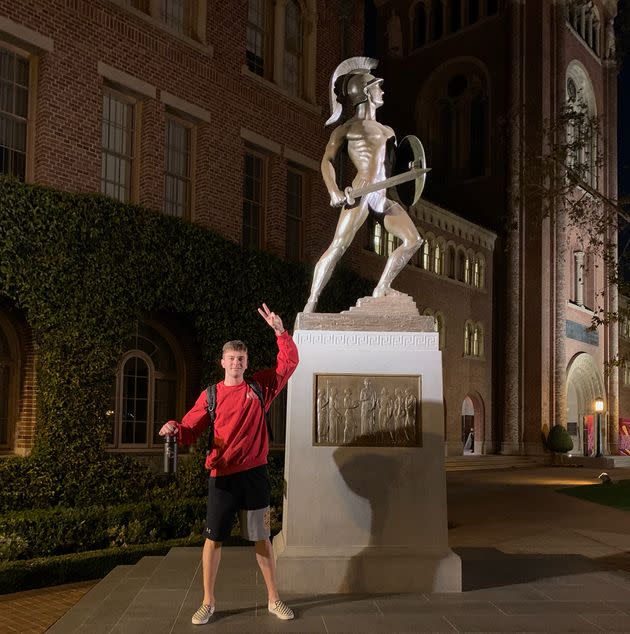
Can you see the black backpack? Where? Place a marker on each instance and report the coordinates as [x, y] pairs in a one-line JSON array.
[[211, 398]]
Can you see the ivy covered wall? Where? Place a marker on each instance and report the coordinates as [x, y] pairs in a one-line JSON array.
[[83, 269]]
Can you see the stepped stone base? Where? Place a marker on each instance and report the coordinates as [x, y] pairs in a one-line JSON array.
[[393, 313]]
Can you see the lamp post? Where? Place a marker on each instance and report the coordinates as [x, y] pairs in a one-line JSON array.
[[599, 408]]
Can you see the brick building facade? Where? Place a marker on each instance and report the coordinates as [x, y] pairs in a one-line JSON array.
[[482, 83], [203, 110]]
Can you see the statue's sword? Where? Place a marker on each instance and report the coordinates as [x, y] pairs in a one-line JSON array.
[[392, 181]]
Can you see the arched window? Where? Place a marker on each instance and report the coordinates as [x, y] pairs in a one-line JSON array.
[[461, 266], [477, 344], [581, 117], [583, 16], [479, 272], [452, 262], [438, 258], [467, 269], [258, 19], [419, 25], [146, 390], [293, 51], [425, 257], [468, 338], [437, 19], [492, 6], [453, 115], [455, 15], [478, 135], [473, 11]]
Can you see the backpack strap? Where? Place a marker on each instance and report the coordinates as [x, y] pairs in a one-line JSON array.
[[211, 407], [259, 393]]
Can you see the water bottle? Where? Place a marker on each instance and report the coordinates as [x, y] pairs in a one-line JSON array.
[[170, 454]]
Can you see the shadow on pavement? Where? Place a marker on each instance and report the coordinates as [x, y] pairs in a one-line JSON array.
[[491, 568]]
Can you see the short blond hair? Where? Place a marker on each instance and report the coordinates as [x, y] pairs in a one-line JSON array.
[[235, 344]]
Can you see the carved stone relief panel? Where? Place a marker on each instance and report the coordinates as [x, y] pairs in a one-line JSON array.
[[374, 411]]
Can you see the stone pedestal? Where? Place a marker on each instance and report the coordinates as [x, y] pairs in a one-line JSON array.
[[365, 505]]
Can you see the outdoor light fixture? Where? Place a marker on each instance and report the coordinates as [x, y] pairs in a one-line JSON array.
[[605, 478], [599, 408]]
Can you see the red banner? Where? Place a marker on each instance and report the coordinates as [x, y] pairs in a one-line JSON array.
[[589, 436]]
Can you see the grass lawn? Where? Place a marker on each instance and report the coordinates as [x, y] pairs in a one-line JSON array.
[[616, 495]]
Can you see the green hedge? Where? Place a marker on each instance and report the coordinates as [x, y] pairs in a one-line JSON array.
[[50, 571], [41, 533], [83, 269]]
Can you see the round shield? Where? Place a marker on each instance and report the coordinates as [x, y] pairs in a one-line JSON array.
[[410, 153]]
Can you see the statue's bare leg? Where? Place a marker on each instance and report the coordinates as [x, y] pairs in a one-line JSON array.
[[350, 221], [398, 223]]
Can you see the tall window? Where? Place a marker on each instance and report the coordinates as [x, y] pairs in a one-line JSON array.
[[295, 214], [5, 385], [456, 15], [253, 200], [146, 390], [178, 15], [141, 5], [419, 25], [473, 11], [578, 277], [467, 270], [477, 345], [381, 241], [469, 331], [452, 263], [293, 51], [177, 177], [117, 146], [479, 272], [13, 113], [437, 19], [438, 258], [583, 16], [256, 36]]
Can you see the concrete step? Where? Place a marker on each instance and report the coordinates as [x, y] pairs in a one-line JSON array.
[[474, 462]]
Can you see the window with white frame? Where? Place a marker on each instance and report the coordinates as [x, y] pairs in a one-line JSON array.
[[185, 17], [582, 134], [178, 168], [293, 48], [117, 145], [254, 193], [179, 15], [14, 97], [295, 214], [257, 37], [146, 390]]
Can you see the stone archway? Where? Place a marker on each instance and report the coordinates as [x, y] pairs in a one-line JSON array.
[[473, 420], [584, 384]]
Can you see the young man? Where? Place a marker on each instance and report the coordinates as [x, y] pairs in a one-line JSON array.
[[238, 461]]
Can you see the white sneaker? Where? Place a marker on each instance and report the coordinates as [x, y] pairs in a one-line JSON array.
[[281, 610], [203, 614]]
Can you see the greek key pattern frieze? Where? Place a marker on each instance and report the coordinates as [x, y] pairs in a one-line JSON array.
[[421, 341]]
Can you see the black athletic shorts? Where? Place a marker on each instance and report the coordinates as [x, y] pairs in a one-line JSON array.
[[247, 493]]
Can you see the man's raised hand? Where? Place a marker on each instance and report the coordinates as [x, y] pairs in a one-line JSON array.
[[272, 319]]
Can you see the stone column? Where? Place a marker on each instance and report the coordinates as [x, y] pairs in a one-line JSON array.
[[511, 441]]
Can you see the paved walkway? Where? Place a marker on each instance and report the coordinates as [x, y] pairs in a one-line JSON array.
[[533, 560]]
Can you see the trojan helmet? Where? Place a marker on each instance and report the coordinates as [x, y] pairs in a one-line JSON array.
[[349, 84]]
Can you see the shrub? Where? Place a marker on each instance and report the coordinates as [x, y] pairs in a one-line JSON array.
[[559, 440], [46, 532]]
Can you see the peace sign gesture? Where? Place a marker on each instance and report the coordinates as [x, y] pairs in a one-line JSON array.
[[272, 319]]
